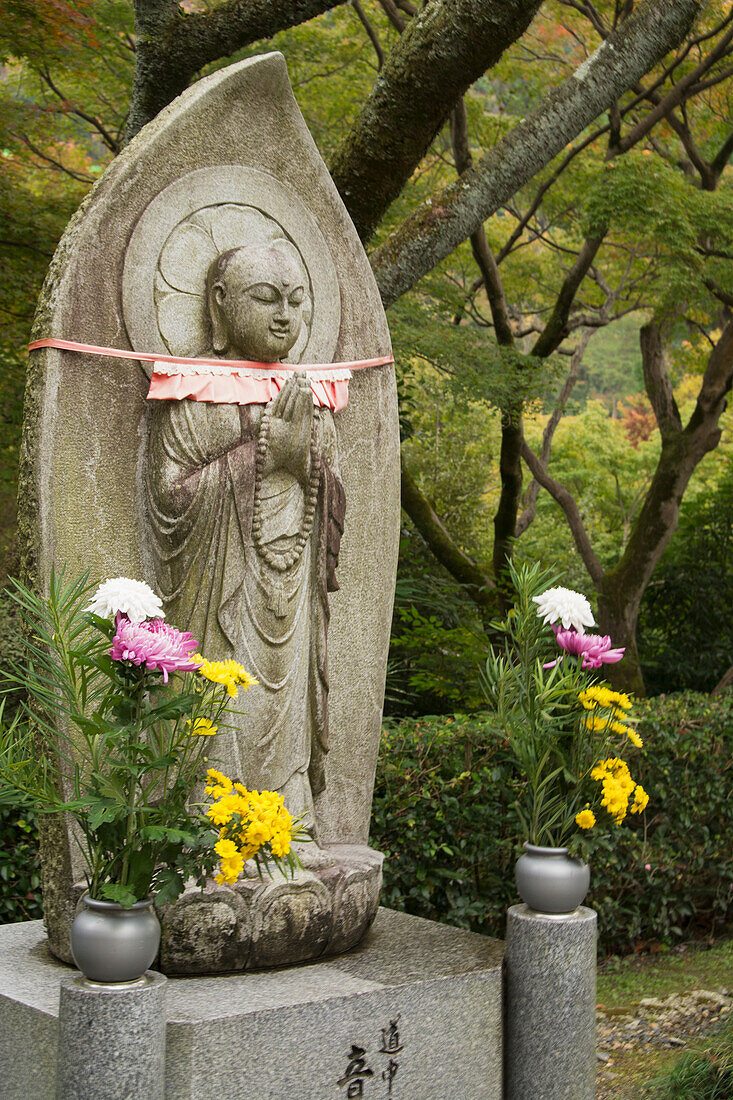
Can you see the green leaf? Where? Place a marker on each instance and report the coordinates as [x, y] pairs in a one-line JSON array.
[[169, 885], [124, 895]]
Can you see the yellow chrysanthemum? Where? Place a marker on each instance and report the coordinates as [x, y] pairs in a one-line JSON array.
[[249, 821], [218, 784], [617, 788], [634, 738], [599, 696], [641, 798], [218, 814], [280, 844], [231, 861], [586, 819], [202, 727], [232, 868], [594, 724], [229, 673], [258, 833]]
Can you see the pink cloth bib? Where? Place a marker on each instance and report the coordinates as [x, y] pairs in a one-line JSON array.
[[243, 387]]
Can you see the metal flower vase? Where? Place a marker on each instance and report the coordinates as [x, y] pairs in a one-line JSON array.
[[112, 944], [551, 881]]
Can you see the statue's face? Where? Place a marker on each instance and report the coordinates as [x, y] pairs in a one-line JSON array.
[[259, 300]]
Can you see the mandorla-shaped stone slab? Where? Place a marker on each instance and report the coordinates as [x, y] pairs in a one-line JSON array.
[[230, 170]]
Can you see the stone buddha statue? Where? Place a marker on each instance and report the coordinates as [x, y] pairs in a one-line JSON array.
[[246, 512]]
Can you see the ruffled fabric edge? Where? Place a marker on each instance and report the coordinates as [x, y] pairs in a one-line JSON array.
[[342, 374], [232, 387]]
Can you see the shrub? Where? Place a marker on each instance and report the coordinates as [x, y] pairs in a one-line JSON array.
[[443, 816], [20, 871], [685, 631], [20, 882]]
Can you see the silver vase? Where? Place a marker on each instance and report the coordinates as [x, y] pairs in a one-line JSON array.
[[112, 944], [550, 881]]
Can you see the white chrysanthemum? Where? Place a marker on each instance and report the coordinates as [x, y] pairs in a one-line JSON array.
[[564, 605], [133, 598]]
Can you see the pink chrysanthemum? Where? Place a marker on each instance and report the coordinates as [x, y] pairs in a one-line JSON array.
[[595, 649], [155, 644]]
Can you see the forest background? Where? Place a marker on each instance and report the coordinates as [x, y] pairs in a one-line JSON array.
[[546, 195]]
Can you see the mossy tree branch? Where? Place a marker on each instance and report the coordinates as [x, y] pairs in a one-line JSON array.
[[443, 222], [441, 52], [173, 45]]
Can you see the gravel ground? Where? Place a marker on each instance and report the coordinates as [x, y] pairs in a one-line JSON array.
[[661, 1023]]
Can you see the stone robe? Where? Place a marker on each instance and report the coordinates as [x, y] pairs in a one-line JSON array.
[[200, 492]]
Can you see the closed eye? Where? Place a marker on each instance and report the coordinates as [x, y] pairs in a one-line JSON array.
[[263, 292]]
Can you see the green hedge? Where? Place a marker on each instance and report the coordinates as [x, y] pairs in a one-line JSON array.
[[20, 881], [20, 874], [442, 816]]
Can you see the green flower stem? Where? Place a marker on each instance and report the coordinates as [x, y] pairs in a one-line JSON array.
[[131, 815]]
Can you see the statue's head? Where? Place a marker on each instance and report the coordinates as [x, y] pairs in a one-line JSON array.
[[255, 297]]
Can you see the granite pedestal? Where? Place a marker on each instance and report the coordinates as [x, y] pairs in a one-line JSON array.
[[551, 1003], [413, 1013], [111, 1039]]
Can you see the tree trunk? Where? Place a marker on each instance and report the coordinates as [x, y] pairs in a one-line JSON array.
[[617, 616], [505, 520], [726, 684], [173, 46]]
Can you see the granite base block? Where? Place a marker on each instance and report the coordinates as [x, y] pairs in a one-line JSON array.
[[551, 1005], [413, 1013], [111, 1040]]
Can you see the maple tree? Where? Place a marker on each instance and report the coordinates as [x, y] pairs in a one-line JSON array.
[[504, 169]]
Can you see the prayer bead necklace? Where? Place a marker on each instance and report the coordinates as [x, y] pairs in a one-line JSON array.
[[284, 560]]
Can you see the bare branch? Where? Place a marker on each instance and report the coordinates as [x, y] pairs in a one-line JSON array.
[[680, 91], [570, 508], [392, 12], [718, 292], [57, 165], [723, 155], [371, 33], [93, 121], [7, 243], [445, 549], [530, 498], [716, 384], [542, 191], [556, 328], [482, 253], [586, 8]]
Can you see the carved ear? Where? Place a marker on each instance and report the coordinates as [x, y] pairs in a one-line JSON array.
[[218, 330]]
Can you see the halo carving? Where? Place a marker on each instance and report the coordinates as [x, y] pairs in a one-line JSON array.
[[185, 227]]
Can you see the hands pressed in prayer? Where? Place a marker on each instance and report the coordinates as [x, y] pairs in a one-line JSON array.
[[291, 421]]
